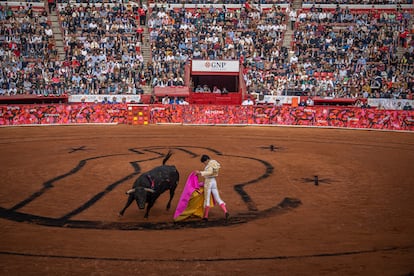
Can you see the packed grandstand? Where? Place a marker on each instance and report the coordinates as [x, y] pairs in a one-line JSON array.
[[357, 52]]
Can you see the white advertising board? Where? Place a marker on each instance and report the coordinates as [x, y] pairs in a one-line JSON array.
[[215, 66]]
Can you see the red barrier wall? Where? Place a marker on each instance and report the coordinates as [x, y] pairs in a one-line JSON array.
[[326, 116], [346, 117], [63, 114]]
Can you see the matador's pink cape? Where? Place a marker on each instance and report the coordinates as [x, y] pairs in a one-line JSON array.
[[191, 185]]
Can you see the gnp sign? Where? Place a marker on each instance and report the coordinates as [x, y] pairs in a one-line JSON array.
[[215, 66]]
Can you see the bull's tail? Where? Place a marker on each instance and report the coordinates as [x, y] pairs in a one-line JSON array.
[[167, 157]]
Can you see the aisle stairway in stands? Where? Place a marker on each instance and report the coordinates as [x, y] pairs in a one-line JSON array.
[[296, 5], [57, 34], [146, 51]]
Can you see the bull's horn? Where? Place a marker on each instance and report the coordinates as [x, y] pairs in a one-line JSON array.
[[149, 190], [130, 191]]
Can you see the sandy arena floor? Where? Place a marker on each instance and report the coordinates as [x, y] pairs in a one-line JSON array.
[[62, 188]]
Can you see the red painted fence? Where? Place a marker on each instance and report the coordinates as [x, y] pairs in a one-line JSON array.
[[320, 116]]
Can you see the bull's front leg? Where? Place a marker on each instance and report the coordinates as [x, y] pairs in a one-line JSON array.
[[149, 206], [131, 198], [172, 191]]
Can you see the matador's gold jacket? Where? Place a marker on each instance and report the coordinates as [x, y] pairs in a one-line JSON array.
[[210, 171]]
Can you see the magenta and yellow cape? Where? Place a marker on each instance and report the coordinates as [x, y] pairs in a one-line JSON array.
[[191, 200]]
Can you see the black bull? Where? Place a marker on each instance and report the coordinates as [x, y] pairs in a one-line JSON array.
[[150, 185]]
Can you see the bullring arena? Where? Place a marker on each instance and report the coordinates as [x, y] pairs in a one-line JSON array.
[[307, 105], [63, 186]]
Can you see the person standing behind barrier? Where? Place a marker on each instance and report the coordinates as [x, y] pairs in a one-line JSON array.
[[248, 101], [210, 173], [165, 100]]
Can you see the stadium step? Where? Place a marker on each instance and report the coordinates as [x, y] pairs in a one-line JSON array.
[[146, 54], [297, 4], [57, 34]]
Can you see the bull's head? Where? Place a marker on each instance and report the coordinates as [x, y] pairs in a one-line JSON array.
[[141, 196]]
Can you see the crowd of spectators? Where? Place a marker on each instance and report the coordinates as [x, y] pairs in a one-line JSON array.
[[335, 52], [340, 53], [251, 35], [209, 2], [26, 39], [360, 2], [102, 51], [347, 2], [103, 47]]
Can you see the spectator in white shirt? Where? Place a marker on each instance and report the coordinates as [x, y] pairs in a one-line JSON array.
[[248, 101], [48, 31]]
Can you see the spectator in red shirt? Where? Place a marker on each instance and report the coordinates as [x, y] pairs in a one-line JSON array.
[[140, 31], [403, 38], [142, 16], [51, 4]]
